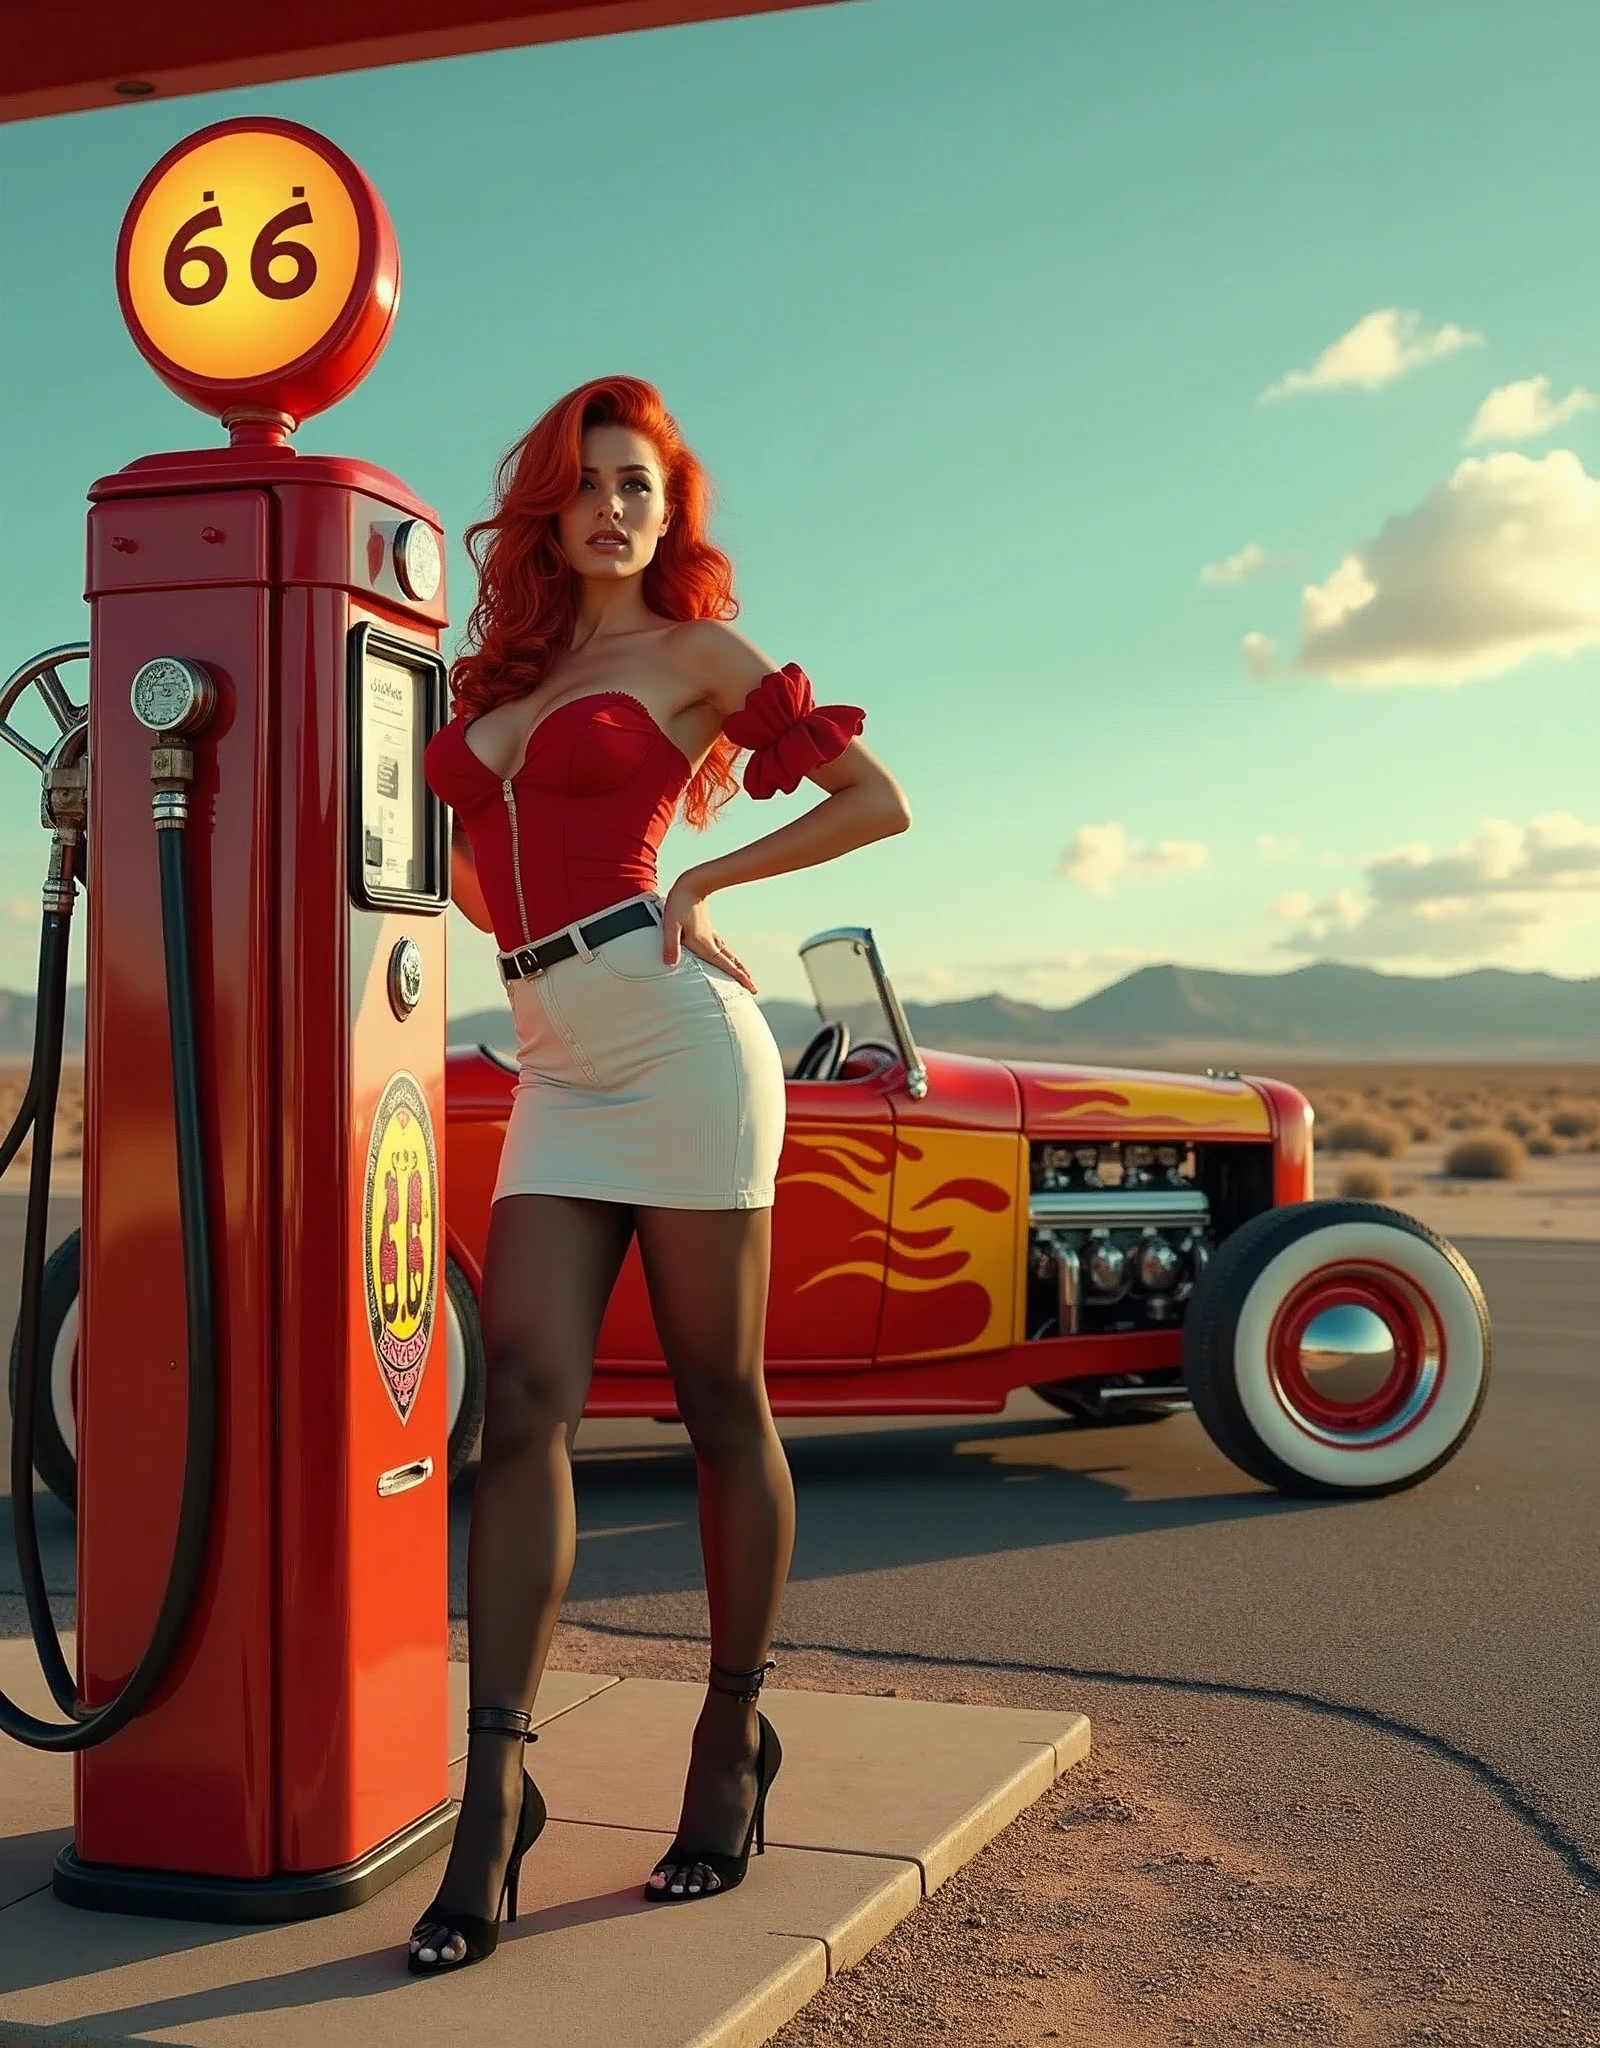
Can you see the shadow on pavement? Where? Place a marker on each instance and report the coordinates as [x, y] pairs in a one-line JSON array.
[[879, 1499]]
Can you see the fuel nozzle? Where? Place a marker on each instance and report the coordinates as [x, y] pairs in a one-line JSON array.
[[64, 812], [172, 698], [63, 766]]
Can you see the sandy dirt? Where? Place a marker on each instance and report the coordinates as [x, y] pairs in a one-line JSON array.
[[1219, 1870], [1548, 1115], [1556, 1197], [67, 1150]]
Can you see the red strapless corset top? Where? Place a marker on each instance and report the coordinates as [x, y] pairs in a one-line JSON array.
[[580, 823]]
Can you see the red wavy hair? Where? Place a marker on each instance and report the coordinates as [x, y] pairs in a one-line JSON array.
[[527, 590]]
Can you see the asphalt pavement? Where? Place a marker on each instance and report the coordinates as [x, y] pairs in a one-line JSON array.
[[1461, 1615]]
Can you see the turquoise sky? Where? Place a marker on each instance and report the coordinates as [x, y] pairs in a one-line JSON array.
[[971, 311]]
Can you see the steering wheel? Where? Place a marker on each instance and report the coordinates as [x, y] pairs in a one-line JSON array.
[[824, 1054]]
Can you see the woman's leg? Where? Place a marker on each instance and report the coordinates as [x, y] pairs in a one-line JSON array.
[[549, 1270], [707, 1273]]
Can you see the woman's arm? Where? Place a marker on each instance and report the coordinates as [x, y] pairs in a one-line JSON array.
[[466, 892], [863, 802]]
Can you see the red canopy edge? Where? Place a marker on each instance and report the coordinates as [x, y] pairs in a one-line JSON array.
[[61, 58]]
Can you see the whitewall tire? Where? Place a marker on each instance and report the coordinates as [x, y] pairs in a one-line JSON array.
[[1337, 1348], [55, 1429]]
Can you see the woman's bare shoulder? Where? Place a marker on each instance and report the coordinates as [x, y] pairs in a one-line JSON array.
[[724, 664]]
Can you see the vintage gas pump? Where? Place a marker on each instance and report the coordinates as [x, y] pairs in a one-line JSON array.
[[260, 1703]]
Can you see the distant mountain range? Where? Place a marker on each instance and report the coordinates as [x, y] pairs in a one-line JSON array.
[[16, 1023], [1187, 1015], [1198, 1016]]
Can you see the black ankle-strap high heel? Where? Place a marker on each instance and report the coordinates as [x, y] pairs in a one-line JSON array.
[[481, 1937], [728, 1870]]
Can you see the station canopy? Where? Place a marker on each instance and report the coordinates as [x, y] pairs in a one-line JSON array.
[[62, 58]]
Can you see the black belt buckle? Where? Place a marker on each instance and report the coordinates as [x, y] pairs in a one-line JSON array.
[[528, 961]]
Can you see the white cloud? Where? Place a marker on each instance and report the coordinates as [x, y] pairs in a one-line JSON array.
[[1259, 654], [1525, 410], [1498, 563], [1379, 348], [1493, 895], [1101, 855], [1252, 564]]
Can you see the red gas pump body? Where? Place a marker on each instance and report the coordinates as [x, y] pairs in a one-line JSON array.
[[296, 1758]]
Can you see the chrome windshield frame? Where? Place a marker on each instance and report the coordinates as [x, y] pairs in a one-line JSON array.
[[860, 936]]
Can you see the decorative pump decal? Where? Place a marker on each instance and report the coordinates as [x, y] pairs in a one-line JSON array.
[[402, 1237]]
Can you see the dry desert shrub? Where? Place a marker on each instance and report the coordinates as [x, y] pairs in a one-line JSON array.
[[1384, 1140], [1364, 1183], [1451, 1097], [1520, 1124], [1485, 1155], [1571, 1122], [1422, 1131], [1541, 1147], [67, 1149]]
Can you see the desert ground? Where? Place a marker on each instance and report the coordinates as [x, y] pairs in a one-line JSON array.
[[1473, 1151]]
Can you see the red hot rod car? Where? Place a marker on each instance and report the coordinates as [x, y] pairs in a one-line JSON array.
[[948, 1229], [1127, 1244]]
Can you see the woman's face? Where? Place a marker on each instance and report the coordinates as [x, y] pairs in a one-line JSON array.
[[611, 527]]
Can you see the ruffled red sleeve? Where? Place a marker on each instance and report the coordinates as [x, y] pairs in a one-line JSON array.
[[787, 733]]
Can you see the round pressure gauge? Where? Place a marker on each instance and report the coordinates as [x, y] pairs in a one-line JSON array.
[[416, 559], [173, 695]]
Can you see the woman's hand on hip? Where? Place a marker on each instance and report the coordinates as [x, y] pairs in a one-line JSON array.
[[685, 921]]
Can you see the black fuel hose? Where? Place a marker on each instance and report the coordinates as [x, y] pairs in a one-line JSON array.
[[91, 1725], [11, 1143]]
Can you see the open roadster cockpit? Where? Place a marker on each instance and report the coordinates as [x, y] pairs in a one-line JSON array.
[[863, 1029]]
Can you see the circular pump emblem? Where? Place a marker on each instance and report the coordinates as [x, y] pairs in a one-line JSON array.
[[402, 1237], [258, 270]]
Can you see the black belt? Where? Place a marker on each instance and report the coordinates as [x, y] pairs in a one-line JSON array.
[[530, 960]]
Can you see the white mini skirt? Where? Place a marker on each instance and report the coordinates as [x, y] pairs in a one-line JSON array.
[[660, 1087]]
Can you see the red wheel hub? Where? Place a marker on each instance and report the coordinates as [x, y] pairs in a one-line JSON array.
[[1393, 1332]]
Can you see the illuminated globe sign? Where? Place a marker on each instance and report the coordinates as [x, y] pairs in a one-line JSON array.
[[258, 271]]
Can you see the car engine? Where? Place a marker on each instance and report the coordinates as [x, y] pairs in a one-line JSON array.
[[1118, 1234]]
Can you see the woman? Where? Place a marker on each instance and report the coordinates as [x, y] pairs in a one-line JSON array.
[[606, 689]]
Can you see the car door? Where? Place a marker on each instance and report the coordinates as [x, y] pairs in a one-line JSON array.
[[831, 1223], [959, 1215]]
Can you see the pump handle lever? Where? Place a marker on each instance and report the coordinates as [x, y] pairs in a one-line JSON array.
[[41, 674]]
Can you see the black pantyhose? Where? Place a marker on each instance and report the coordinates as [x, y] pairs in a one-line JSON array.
[[707, 1273], [549, 1270]]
